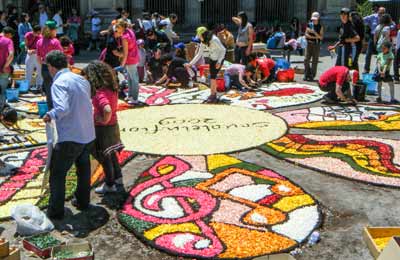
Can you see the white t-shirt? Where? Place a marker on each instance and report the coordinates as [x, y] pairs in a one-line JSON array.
[[43, 19], [57, 18]]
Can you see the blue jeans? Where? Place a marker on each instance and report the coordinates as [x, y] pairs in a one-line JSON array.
[[64, 155], [133, 81], [4, 81]]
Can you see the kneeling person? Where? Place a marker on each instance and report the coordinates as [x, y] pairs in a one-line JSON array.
[[176, 72], [265, 66], [336, 81], [240, 76]]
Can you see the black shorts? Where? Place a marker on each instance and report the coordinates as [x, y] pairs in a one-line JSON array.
[[378, 78], [213, 70]]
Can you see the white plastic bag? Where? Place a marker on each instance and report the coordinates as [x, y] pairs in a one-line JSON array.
[[30, 220]]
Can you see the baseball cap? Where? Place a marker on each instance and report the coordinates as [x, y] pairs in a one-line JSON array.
[[51, 25], [355, 76], [195, 39], [345, 10], [315, 16], [180, 45], [200, 30]]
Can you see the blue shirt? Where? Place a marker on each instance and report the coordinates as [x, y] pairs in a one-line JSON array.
[[73, 111], [372, 21], [23, 28]]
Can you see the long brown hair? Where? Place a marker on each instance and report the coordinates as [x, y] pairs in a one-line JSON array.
[[100, 75]]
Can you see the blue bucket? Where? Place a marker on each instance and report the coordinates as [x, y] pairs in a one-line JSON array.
[[372, 85], [12, 94], [42, 107], [23, 86]]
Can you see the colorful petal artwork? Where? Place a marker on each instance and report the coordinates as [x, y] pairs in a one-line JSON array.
[[21, 178], [218, 207], [351, 118], [370, 160]]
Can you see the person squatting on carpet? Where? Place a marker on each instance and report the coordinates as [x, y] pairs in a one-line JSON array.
[[239, 76], [336, 81], [104, 86], [382, 73], [73, 114]]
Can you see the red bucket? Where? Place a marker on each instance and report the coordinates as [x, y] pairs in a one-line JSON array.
[[285, 75], [202, 68], [220, 85]]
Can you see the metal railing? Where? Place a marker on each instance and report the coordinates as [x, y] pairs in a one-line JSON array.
[[271, 11], [218, 11], [165, 7]]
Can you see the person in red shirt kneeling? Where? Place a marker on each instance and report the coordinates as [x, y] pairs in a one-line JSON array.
[[336, 81], [265, 66]]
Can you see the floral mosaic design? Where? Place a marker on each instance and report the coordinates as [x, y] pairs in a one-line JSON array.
[[218, 207], [276, 95], [370, 160], [22, 176], [358, 118]]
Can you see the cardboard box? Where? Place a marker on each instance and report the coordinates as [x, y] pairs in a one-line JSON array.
[[42, 253], [75, 248], [392, 250], [4, 247], [15, 254], [371, 233], [276, 257]]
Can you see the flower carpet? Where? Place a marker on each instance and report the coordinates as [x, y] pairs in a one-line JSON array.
[[276, 95], [197, 129], [351, 118], [371, 160], [218, 207], [22, 175]]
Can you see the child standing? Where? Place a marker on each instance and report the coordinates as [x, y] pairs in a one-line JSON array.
[[142, 60], [68, 49], [384, 61], [105, 102]]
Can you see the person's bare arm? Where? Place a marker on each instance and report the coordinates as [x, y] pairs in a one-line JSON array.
[[106, 117], [308, 35], [124, 52], [339, 93], [117, 53], [237, 20]]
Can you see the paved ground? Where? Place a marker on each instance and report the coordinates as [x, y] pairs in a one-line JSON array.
[[348, 207]]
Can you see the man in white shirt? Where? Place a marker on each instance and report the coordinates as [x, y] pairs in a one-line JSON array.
[[43, 17], [60, 24], [169, 30]]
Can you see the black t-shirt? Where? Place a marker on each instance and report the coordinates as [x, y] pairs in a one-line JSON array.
[[346, 32], [162, 38], [156, 68], [176, 63], [112, 45]]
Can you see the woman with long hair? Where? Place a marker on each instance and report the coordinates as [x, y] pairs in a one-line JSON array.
[[245, 39], [212, 48], [104, 87], [46, 44], [130, 59]]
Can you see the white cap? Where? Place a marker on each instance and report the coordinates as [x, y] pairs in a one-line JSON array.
[[315, 16]]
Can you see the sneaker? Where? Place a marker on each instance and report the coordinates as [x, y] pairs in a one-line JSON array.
[[379, 100], [133, 102], [394, 101], [103, 189]]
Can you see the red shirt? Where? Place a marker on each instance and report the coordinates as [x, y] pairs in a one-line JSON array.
[[265, 65], [104, 97], [69, 51], [6, 47], [46, 45], [31, 40], [337, 74]]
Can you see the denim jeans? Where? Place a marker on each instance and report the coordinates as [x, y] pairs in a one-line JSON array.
[[4, 81], [47, 81], [32, 64], [343, 57], [133, 81], [64, 155]]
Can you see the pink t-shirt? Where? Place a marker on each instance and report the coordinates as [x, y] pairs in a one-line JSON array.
[[46, 45], [133, 51], [31, 40], [104, 97], [6, 47]]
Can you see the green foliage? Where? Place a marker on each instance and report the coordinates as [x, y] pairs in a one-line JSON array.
[[364, 8]]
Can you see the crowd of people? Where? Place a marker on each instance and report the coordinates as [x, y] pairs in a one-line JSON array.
[[148, 50]]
